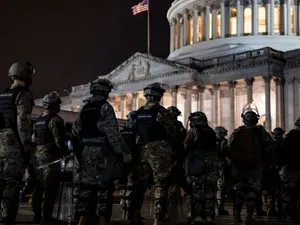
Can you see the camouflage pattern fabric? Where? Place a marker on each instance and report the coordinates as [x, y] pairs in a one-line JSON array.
[[48, 179], [88, 196], [156, 162], [12, 165]]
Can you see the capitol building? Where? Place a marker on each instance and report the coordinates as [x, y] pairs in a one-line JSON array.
[[223, 55]]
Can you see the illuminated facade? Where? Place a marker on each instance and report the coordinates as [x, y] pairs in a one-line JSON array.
[[223, 54]]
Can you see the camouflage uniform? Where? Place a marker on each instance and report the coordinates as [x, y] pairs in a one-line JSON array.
[[222, 148], [155, 130], [49, 137], [97, 130], [202, 167], [15, 138], [247, 171], [290, 174]]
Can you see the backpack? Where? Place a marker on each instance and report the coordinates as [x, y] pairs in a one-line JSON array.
[[246, 148]]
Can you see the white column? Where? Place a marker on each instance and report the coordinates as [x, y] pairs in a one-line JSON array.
[[122, 106], [185, 112], [222, 4], [181, 33], [279, 102], [283, 19], [214, 22], [268, 9], [195, 25], [298, 19], [172, 34], [134, 97], [288, 28], [178, 24], [188, 105], [201, 90], [195, 99], [232, 85], [239, 11], [207, 23], [254, 17], [216, 105], [249, 83], [272, 5], [174, 90], [296, 98], [267, 80], [290, 113], [185, 27], [203, 31]]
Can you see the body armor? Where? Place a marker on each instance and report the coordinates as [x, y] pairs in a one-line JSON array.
[[42, 133], [8, 110], [90, 115], [129, 136], [147, 127], [206, 141]]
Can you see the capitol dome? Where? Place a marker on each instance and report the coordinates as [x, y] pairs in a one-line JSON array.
[[223, 55], [204, 29]]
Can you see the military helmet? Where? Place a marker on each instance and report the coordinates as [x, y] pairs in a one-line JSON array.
[[174, 110], [198, 118], [21, 69], [155, 89], [297, 123], [51, 100], [278, 131], [250, 115], [221, 130], [132, 115], [100, 86]]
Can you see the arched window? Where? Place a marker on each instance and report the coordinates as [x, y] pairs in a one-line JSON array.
[[233, 21], [248, 20], [210, 26], [199, 28], [292, 20], [219, 23], [262, 20], [277, 19], [191, 31]]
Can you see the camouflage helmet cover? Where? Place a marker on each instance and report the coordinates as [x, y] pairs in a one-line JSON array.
[[21, 69], [198, 118], [174, 110], [51, 99], [101, 85], [155, 89], [221, 130]]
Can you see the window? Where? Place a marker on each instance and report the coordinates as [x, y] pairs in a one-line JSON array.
[[277, 19], [191, 31], [248, 20], [262, 20], [219, 23], [199, 28], [233, 22], [292, 20]]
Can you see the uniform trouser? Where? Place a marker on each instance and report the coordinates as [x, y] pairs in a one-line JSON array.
[[155, 161], [290, 199], [126, 194], [90, 201], [45, 191], [221, 188], [248, 188], [9, 196]]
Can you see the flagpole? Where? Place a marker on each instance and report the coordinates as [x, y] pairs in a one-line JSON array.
[[148, 27]]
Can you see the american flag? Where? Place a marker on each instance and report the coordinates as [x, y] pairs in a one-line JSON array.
[[141, 7]]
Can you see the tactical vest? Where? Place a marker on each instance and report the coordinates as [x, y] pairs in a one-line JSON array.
[[8, 110], [89, 116], [147, 127], [206, 141], [42, 133], [129, 137]]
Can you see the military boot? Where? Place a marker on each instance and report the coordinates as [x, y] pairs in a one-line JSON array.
[[249, 218], [237, 216]]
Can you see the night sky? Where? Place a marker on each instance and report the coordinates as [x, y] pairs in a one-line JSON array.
[[71, 42]]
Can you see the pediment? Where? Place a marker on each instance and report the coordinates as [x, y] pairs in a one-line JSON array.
[[141, 67]]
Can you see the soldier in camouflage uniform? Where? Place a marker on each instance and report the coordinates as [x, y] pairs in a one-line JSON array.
[[178, 179], [290, 174], [126, 190], [249, 146], [222, 148], [49, 137], [16, 104], [202, 168], [155, 130], [99, 148]]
